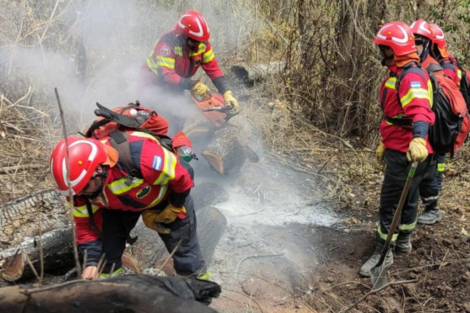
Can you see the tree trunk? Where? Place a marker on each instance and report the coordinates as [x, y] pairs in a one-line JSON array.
[[22, 222], [132, 293], [232, 145]]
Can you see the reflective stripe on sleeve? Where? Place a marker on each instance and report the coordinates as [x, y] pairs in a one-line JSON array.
[[208, 56], [169, 169], [413, 93], [82, 211], [166, 62], [391, 83]]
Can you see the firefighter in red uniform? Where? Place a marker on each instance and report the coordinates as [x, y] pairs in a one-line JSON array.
[[116, 199], [443, 56], [429, 190], [399, 145], [179, 53]]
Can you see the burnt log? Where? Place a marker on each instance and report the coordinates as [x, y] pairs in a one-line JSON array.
[[131, 293], [232, 145], [150, 252], [26, 224]]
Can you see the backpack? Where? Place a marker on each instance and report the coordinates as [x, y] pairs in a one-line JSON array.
[[452, 123], [464, 86], [114, 123]]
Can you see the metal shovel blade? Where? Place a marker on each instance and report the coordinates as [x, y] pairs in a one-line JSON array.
[[378, 275]]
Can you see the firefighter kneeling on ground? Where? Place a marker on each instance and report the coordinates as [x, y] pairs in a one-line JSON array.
[[117, 199], [401, 145], [178, 54]]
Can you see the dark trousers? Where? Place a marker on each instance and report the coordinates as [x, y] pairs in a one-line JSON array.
[[187, 258], [430, 187], [396, 174]]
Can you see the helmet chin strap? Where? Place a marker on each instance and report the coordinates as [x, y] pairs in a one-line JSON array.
[[102, 177], [385, 58]]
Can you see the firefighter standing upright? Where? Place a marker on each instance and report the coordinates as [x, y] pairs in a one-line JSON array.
[[399, 146]]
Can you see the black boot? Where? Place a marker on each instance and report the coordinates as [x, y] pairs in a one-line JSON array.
[[403, 244]]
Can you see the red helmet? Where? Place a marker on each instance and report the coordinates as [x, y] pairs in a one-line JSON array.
[[85, 155], [438, 36], [421, 27], [193, 25], [398, 36]]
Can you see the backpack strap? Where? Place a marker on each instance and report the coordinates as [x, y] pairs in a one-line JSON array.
[[120, 142], [91, 218], [436, 67]]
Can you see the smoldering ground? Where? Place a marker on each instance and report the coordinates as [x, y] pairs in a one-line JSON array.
[[92, 51]]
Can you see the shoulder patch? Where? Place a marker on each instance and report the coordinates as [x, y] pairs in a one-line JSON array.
[[165, 51], [157, 163], [415, 85]]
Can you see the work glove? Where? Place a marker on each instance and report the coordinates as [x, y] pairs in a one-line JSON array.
[[417, 151], [379, 153], [199, 89], [154, 219], [230, 100]]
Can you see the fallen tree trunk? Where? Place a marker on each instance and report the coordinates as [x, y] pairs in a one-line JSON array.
[[149, 251], [131, 293], [230, 146], [28, 223]]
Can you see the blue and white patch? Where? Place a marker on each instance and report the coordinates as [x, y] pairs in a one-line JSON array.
[[157, 163], [415, 85]]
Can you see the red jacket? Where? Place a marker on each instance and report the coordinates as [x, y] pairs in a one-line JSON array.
[[163, 177], [173, 63], [451, 69], [414, 92]]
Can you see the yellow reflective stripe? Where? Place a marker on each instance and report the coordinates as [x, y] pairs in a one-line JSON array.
[[119, 186], [459, 74], [81, 211], [165, 62], [169, 170], [208, 56], [116, 273], [407, 226], [159, 198], [144, 135], [441, 167], [384, 236], [202, 48], [179, 51], [391, 82], [152, 65], [430, 93], [413, 93]]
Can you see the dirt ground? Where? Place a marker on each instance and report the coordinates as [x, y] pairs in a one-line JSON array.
[[434, 277], [436, 272]]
